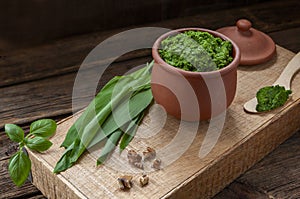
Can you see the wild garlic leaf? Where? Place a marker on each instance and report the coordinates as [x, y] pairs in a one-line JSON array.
[[130, 131], [97, 113], [78, 146], [38, 143], [123, 114], [143, 72], [89, 129], [98, 103], [19, 167], [43, 128], [65, 160], [70, 156], [88, 132], [102, 99], [14, 132], [109, 146]]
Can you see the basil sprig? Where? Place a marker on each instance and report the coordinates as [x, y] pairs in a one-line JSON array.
[[37, 140], [113, 115]]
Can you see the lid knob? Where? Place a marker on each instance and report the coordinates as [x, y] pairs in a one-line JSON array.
[[243, 25]]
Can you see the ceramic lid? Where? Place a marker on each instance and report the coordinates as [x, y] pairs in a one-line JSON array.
[[256, 47]]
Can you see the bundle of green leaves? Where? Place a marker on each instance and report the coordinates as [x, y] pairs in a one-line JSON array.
[[113, 115], [37, 140], [271, 97], [196, 51]]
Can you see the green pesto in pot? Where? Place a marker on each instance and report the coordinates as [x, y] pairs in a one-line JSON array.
[[196, 51]]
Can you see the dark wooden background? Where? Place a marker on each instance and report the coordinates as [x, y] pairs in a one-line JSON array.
[[24, 23], [43, 43]]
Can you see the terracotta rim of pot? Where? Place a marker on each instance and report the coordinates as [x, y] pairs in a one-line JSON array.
[[166, 66]]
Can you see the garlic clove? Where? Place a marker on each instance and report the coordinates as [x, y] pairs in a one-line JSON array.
[[156, 164], [125, 182], [144, 180]]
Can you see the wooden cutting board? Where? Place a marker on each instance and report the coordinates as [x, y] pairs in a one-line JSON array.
[[240, 143]]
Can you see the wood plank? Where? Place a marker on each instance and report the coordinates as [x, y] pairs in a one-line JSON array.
[[35, 23], [284, 161], [61, 57], [7, 188], [65, 55], [8, 147], [16, 106], [293, 41], [237, 190], [245, 140], [53, 96], [10, 190], [38, 196], [78, 42], [276, 176], [5, 142]]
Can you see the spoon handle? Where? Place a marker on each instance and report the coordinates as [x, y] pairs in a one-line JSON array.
[[288, 73]]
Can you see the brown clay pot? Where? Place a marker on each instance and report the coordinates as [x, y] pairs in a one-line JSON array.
[[193, 96]]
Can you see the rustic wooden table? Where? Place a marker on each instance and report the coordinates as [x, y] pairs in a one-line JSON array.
[[37, 82]]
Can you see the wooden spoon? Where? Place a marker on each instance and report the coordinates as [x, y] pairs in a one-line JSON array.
[[283, 80]]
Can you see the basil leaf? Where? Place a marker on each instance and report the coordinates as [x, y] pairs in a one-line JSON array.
[[19, 167], [14, 132], [109, 146], [43, 128], [38, 143]]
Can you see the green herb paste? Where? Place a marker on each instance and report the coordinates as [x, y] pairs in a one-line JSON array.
[[271, 97], [196, 51]]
